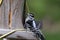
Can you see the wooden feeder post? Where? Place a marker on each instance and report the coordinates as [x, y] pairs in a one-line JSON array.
[[11, 18]]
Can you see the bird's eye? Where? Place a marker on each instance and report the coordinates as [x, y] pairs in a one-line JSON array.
[[32, 16], [1, 2]]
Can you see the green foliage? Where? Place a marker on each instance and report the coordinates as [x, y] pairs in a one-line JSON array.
[[53, 9], [52, 36], [37, 7], [41, 8]]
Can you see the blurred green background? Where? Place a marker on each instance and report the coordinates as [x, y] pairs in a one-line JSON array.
[[49, 12]]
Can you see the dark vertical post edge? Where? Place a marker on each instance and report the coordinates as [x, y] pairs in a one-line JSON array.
[[24, 10]]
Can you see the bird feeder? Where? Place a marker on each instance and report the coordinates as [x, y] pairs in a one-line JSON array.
[[11, 18]]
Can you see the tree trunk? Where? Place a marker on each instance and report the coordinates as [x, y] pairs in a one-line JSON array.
[[11, 14]]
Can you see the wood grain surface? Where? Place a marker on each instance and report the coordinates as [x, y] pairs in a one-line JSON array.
[[11, 14]]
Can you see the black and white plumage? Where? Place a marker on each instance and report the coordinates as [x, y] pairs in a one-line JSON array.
[[32, 25]]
